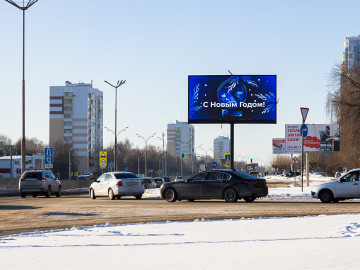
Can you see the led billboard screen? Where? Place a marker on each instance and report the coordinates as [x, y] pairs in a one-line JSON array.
[[232, 99]]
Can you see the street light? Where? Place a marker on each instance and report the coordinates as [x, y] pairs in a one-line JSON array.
[[145, 140], [119, 83], [115, 146], [164, 157], [23, 148]]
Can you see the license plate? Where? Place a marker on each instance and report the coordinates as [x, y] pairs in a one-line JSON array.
[[132, 184]]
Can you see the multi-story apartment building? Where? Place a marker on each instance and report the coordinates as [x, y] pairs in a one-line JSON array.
[[351, 55], [76, 120], [180, 139], [221, 146]]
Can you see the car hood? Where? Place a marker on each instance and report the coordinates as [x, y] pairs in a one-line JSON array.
[[327, 184]]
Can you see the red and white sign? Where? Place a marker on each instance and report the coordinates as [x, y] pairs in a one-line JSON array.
[[295, 160], [304, 112]]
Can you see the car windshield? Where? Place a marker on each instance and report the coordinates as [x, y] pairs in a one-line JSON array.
[[243, 175], [125, 175]]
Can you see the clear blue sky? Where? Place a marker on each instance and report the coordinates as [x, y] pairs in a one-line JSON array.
[[155, 45]]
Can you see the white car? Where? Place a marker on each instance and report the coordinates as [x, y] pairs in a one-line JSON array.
[[346, 186], [117, 184]]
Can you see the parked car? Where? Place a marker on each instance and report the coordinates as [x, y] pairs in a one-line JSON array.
[[117, 184], [159, 181], [84, 177], [179, 178], [254, 173], [216, 184], [346, 186], [148, 183], [39, 182], [167, 179]]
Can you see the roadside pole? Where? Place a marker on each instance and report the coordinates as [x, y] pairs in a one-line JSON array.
[[304, 132]]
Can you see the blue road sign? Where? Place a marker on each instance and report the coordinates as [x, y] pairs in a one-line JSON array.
[[304, 130], [126, 169], [213, 164], [48, 160], [111, 164], [49, 151]]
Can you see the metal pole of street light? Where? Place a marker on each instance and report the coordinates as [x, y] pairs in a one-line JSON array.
[[145, 140], [163, 154], [119, 83], [116, 135], [23, 148]]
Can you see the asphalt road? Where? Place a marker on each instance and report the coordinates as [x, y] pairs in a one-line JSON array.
[[18, 215]]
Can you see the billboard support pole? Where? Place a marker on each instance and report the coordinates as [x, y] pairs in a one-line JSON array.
[[232, 146]]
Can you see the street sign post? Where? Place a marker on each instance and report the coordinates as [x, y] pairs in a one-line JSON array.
[[213, 165], [304, 112], [103, 158]]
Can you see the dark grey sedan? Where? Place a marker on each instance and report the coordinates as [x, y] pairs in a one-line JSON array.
[[216, 184]]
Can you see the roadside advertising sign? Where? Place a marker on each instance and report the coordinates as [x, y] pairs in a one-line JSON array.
[[279, 146], [320, 137], [232, 99]]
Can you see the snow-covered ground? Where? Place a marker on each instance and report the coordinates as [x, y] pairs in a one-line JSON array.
[[316, 242]]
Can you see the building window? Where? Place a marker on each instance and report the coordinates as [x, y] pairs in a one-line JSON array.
[[67, 123], [68, 101], [68, 94], [67, 109], [67, 115]]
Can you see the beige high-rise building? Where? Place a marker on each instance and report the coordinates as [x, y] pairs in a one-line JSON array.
[[180, 139], [221, 146], [76, 121]]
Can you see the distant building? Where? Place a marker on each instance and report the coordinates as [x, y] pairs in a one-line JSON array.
[[76, 121], [351, 55], [221, 146], [11, 166], [180, 139]]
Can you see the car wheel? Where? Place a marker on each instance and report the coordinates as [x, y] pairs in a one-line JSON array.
[[111, 194], [249, 199], [34, 195], [326, 196], [138, 197], [92, 194], [58, 194], [22, 194], [170, 195], [230, 195], [48, 192]]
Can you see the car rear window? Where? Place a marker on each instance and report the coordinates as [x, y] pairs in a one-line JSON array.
[[243, 175], [125, 175], [32, 175]]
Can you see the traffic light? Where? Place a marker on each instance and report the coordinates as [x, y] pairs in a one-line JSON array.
[[182, 155]]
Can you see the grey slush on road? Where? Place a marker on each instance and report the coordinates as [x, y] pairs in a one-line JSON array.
[[39, 182]]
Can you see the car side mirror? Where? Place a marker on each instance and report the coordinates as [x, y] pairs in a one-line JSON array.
[[96, 181]]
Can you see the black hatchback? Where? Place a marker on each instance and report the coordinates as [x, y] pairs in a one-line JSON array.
[[216, 184]]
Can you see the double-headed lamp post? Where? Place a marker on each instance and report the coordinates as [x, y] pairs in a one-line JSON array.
[[145, 140], [23, 148], [115, 146], [119, 83]]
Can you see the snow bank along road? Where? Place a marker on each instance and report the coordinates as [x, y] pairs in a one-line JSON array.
[[19, 215]]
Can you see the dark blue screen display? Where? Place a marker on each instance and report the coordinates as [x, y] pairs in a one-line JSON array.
[[232, 99]]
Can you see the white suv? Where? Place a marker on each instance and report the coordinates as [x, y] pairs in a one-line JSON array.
[[346, 186]]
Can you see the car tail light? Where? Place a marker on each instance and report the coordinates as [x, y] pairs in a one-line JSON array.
[[120, 184], [142, 183], [21, 179], [42, 179], [248, 183]]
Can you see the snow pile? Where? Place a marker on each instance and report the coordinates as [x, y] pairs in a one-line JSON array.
[[264, 243]]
